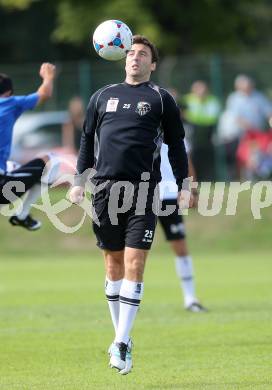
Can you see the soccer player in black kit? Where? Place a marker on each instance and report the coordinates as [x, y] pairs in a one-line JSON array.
[[124, 128]]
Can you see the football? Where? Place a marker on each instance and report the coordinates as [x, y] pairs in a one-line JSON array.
[[112, 39]]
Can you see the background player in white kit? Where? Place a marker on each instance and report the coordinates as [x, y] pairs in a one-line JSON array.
[[174, 231]]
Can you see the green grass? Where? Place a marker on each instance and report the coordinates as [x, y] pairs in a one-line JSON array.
[[55, 327]]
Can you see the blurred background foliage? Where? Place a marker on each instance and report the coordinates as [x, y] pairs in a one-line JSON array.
[[36, 30]]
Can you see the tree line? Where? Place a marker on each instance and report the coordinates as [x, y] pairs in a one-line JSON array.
[[35, 30]]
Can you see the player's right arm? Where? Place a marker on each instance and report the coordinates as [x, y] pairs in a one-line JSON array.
[[86, 152], [47, 73], [44, 92]]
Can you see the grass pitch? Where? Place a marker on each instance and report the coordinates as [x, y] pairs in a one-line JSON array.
[[55, 327]]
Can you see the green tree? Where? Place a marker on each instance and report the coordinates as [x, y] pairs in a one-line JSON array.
[[213, 25], [76, 22], [177, 26], [15, 4], [32, 29]]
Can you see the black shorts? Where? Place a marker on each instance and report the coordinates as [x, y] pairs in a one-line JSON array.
[[172, 224], [132, 230], [21, 180]]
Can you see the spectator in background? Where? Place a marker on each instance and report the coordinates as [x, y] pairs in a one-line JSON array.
[[71, 132], [250, 107], [201, 112], [246, 109]]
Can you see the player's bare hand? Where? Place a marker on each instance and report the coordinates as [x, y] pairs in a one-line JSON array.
[[47, 71], [195, 198], [76, 194], [185, 199]]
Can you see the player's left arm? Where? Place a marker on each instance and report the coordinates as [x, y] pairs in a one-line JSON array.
[[174, 138]]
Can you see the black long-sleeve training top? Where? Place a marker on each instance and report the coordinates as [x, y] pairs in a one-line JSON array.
[[123, 131]]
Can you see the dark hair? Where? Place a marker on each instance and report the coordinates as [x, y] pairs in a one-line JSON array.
[[142, 39], [5, 84]]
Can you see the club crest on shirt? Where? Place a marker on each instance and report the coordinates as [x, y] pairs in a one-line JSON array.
[[112, 104], [143, 108]]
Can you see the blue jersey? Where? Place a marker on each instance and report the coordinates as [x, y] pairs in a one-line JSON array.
[[10, 110]]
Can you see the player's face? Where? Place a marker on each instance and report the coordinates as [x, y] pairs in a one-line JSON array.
[[139, 62]]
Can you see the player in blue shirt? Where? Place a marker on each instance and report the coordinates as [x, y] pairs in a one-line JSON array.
[[27, 178]]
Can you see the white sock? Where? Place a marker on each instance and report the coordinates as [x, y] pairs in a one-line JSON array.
[[130, 298], [184, 268], [52, 171], [112, 289], [30, 197]]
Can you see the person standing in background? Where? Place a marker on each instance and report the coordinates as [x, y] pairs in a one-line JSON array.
[[201, 110], [71, 131], [246, 109]]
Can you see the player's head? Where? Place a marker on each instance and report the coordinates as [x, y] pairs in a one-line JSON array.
[[244, 84], [200, 88], [6, 87], [141, 58], [140, 39]]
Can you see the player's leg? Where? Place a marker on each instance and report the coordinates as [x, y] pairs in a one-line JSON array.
[[44, 169], [133, 234], [110, 238], [18, 181], [184, 270], [131, 293], [34, 169], [114, 265], [139, 235], [174, 231]]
